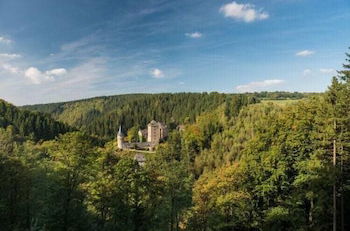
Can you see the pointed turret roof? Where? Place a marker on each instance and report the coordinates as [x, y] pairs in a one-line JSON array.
[[153, 122], [120, 133]]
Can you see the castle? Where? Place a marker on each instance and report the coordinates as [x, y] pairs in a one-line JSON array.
[[154, 133]]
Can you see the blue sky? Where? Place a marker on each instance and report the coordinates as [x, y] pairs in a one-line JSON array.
[[58, 50]]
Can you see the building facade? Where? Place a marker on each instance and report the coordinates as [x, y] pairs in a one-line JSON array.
[[157, 131], [120, 138], [153, 134]]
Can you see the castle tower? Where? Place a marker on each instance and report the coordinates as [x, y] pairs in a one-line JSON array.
[[152, 132], [120, 138], [156, 132], [140, 136]]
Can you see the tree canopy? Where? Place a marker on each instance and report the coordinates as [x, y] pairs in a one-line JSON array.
[[236, 164]]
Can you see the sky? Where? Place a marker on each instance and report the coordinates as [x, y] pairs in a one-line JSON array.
[[61, 50]]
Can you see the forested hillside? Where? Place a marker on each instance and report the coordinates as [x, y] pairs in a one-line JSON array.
[[240, 166], [30, 124], [102, 116]]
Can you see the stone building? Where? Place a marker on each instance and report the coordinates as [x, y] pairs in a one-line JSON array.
[[157, 131], [154, 133], [120, 138]]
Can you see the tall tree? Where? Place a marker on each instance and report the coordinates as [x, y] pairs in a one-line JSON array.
[[338, 97], [71, 157]]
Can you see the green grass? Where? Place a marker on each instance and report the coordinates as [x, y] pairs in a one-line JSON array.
[[281, 102]]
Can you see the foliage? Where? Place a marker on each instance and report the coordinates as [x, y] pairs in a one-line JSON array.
[[237, 164], [102, 116], [30, 124]]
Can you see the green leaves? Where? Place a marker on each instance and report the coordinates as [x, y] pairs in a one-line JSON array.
[[237, 165], [37, 126]]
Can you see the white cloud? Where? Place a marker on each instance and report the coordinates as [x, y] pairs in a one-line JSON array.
[[157, 73], [307, 72], [243, 12], [81, 81], [9, 68], [57, 72], [9, 56], [37, 77], [5, 40], [305, 53], [194, 35], [257, 86], [327, 71]]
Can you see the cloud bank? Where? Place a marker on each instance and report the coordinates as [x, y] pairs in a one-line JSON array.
[[258, 86], [157, 73], [305, 53], [9, 56], [194, 35], [5, 40], [37, 77], [243, 12]]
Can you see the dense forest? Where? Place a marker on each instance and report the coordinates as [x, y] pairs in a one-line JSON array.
[[102, 116], [239, 164], [35, 125]]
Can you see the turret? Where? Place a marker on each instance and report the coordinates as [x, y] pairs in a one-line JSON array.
[[140, 136], [120, 138]]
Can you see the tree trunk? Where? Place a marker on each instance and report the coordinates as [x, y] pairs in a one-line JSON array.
[[342, 188], [310, 212], [172, 215], [334, 185]]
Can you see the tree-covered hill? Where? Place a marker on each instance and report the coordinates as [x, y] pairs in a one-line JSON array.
[[102, 116], [35, 125], [236, 165]]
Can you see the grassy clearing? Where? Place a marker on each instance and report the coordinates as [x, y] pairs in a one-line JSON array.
[[281, 102]]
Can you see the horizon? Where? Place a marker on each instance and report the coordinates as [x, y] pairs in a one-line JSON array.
[[71, 51], [184, 92]]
